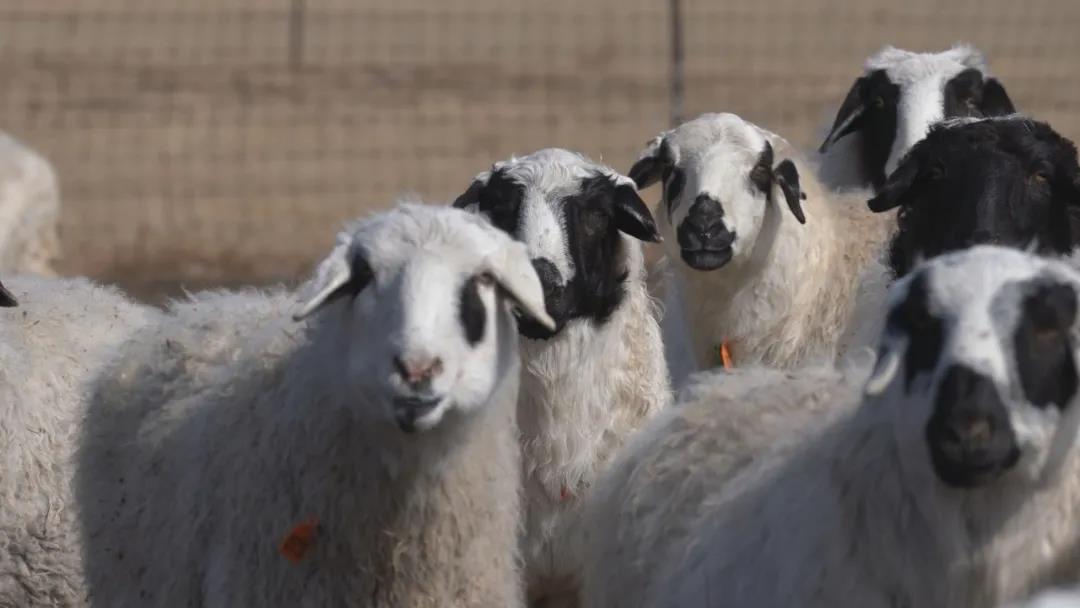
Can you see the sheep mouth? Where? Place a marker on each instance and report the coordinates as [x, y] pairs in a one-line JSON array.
[[707, 259], [973, 471], [414, 414]]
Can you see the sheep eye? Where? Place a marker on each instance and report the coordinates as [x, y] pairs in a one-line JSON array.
[[936, 172], [878, 102], [486, 279], [1040, 176]]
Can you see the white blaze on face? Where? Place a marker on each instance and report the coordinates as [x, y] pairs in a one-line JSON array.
[[922, 78], [543, 232]]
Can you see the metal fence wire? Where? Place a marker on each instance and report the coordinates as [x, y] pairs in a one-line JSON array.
[[222, 141]]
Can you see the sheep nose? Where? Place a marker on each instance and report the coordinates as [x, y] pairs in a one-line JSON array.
[[417, 371], [971, 430], [704, 228]]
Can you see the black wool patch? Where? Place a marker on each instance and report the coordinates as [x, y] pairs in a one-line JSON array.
[[472, 312], [1043, 346]]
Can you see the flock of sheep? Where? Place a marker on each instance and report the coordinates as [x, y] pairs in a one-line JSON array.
[[851, 381]]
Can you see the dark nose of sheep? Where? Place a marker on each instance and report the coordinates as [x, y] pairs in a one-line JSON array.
[[969, 435], [703, 237]]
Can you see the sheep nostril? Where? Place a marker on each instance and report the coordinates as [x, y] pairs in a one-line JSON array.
[[972, 432], [418, 370]]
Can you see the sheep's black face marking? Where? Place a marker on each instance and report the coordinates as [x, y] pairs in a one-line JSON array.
[[969, 435], [472, 312], [1005, 182], [592, 220], [870, 109], [925, 330], [1043, 346], [501, 200], [674, 182]]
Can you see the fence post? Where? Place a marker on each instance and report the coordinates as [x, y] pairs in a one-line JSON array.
[[296, 35], [677, 53]]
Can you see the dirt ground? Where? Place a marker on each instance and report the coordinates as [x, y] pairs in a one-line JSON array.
[[206, 142]]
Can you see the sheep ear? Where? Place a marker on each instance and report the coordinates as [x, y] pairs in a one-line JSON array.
[[787, 177], [471, 197], [7, 300], [517, 279], [632, 216], [338, 275], [895, 190], [651, 163], [848, 117], [995, 101]]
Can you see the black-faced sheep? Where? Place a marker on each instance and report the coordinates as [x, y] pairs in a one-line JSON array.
[[955, 482], [601, 374], [891, 107], [763, 260], [1007, 181]]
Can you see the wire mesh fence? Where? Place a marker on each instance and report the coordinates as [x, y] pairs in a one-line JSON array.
[[222, 141]]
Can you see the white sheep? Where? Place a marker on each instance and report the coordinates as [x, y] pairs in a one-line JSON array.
[[955, 482], [893, 105], [52, 347], [763, 261], [646, 507], [601, 375], [232, 457], [29, 210]]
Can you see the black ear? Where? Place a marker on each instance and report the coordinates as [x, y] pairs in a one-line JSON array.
[[895, 190], [1072, 213], [7, 300], [656, 158], [787, 177], [995, 101], [471, 196], [632, 216], [848, 117]]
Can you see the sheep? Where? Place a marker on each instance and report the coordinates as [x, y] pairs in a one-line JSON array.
[[375, 439], [644, 509], [29, 210], [601, 374], [891, 107], [1007, 180], [755, 283], [51, 347], [953, 481]]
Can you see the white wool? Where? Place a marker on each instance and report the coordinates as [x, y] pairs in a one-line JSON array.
[[644, 512], [218, 429], [786, 296], [52, 346], [29, 210], [849, 510]]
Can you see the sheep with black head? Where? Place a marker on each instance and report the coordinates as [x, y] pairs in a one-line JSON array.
[[894, 103], [600, 374]]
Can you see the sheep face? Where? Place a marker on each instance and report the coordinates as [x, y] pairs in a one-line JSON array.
[[902, 94], [416, 298], [1005, 181], [720, 182], [572, 214], [978, 361]]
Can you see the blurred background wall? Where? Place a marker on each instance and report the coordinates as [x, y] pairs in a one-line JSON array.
[[203, 142]]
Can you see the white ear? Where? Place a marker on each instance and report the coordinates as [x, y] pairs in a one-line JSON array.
[[514, 273], [884, 372], [333, 273]]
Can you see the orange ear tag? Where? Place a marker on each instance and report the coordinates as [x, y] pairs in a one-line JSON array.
[[724, 351], [297, 542]]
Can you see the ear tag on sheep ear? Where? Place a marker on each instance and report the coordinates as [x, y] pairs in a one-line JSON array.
[[299, 540], [723, 356]]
